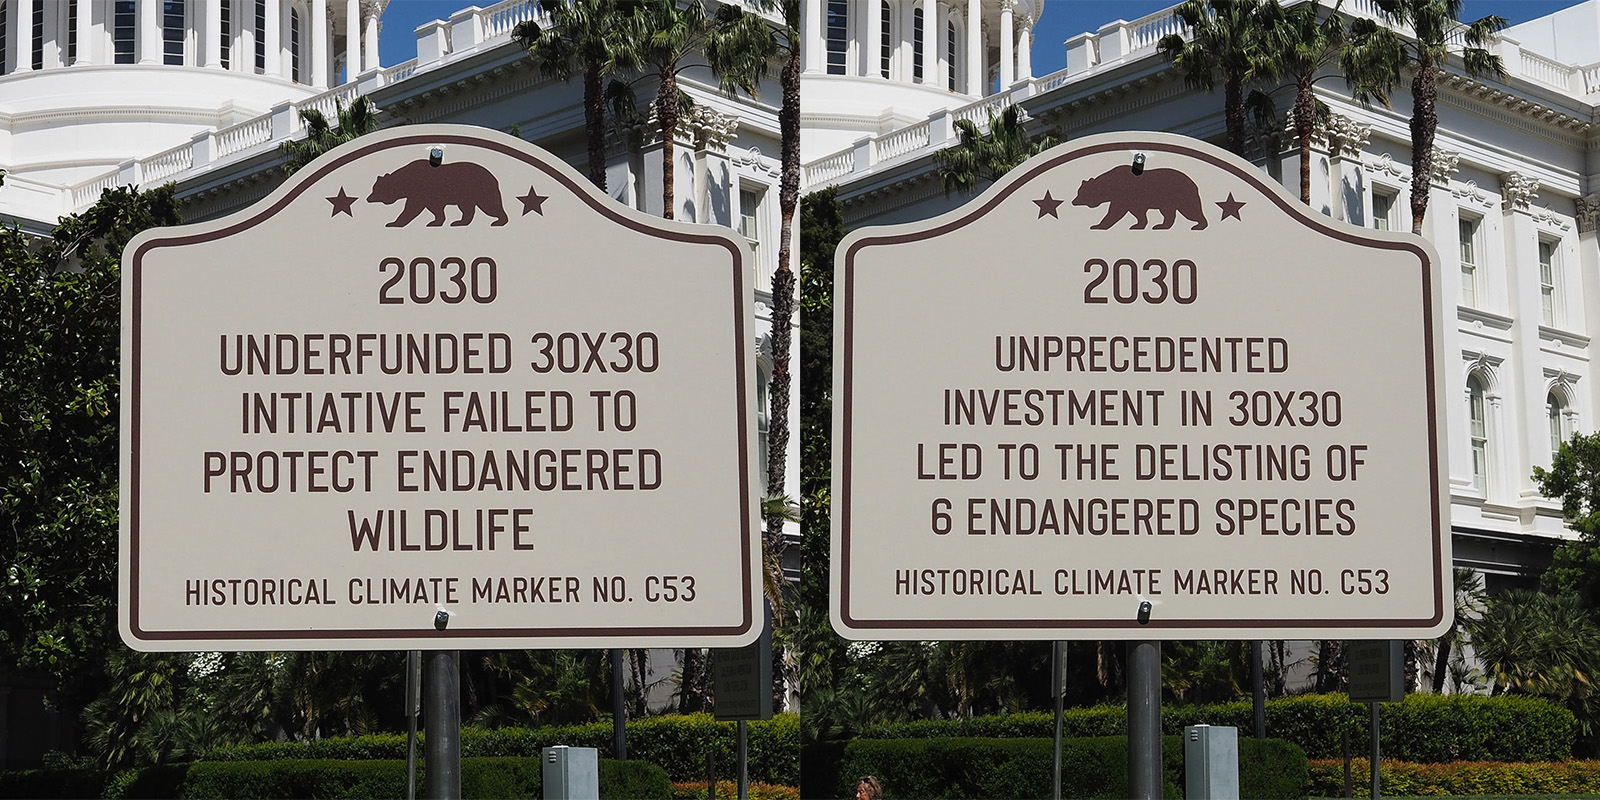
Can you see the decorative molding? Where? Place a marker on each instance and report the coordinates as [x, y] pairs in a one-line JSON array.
[[754, 160], [1549, 218], [1341, 135], [1527, 109], [1482, 362], [711, 128], [1470, 192], [1588, 213], [1517, 191], [1445, 164], [1388, 166]]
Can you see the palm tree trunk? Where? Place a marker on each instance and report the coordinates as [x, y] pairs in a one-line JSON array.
[[594, 123], [1233, 112], [1424, 121], [1441, 664], [783, 285], [1304, 126], [667, 115]]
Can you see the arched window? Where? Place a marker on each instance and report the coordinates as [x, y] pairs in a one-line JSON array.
[[885, 38], [916, 44], [1478, 423], [1562, 418], [122, 29], [837, 35], [172, 19], [950, 48], [294, 45]]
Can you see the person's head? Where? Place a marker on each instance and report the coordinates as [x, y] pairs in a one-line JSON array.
[[868, 788]]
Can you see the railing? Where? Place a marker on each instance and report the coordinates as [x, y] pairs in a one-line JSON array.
[[1146, 31], [167, 163], [87, 193], [500, 18], [243, 136], [1547, 71], [979, 113], [399, 72], [1591, 79], [905, 140], [824, 170], [329, 102]]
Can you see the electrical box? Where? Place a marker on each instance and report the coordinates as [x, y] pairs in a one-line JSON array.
[[1211, 762], [571, 773]]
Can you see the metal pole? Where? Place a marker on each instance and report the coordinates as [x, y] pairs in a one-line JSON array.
[[413, 708], [1144, 720], [442, 724], [1258, 689], [711, 775], [1374, 757], [1058, 666], [619, 707], [744, 761]]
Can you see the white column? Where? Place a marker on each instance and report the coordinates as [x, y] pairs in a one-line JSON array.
[[272, 35], [872, 43], [352, 40], [148, 31], [22, 36], [319, 44], [1025, 49], [369, 42], [940, 76], [974, 64], [906, 66], [814, 51], [1008, 44], [212, 40], [84, 28]]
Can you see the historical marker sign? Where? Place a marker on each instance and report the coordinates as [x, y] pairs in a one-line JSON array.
[[437, 371], [1136, 370]]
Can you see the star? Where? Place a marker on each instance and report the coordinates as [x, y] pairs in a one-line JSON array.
[[533, 201], [1230, 207], [342, 203], [1048, 205]]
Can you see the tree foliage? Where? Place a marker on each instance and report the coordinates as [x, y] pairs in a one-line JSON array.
[[59, 337], [1229, 42], [982, 156], [352, 121], [1304, 40], [1379, 54], [586, 38]]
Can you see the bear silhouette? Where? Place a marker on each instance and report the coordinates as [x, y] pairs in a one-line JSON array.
[[1165, 190], [427, 187]]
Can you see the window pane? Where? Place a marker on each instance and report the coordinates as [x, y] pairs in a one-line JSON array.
[[122, 32], [916, 45], [1553, 407], [886, 41], [172, 32], [1547, 280], [838, 11], [1382, 206]]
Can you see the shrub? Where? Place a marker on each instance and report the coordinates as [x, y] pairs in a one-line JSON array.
[[1090, 767], [1459, 778], [1428, 728], [729, 790], [677, 743]]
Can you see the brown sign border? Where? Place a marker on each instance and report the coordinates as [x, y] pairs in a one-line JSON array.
[[607, 209], [844, 438]]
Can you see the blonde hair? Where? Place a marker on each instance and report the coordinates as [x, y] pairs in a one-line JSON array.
[[874, 789]]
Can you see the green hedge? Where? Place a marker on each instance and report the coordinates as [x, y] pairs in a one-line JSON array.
[[1460, 778], [1016, 768], [1424, 728], [677, 743], [288, 778]]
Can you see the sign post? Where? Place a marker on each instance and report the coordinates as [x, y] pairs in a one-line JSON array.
[[424, 396], [1136, 391]]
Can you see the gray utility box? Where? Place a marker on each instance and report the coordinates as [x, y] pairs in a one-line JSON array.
[[1210, 762], [571, 773]]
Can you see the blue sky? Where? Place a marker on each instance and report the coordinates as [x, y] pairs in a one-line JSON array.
[[1061, 20]]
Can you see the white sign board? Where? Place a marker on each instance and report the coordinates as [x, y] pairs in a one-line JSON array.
[[436, 391], [1112, 380]]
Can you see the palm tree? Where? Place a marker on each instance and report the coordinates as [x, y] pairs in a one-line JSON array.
[[1469, 600], [585, 37], [1379, 51], [980, 157], [355, 120], [663, 34], [1305, 41], [1537, 644], [1229, 42]]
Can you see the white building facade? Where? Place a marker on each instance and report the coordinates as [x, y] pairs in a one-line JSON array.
[[1514, 202]]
